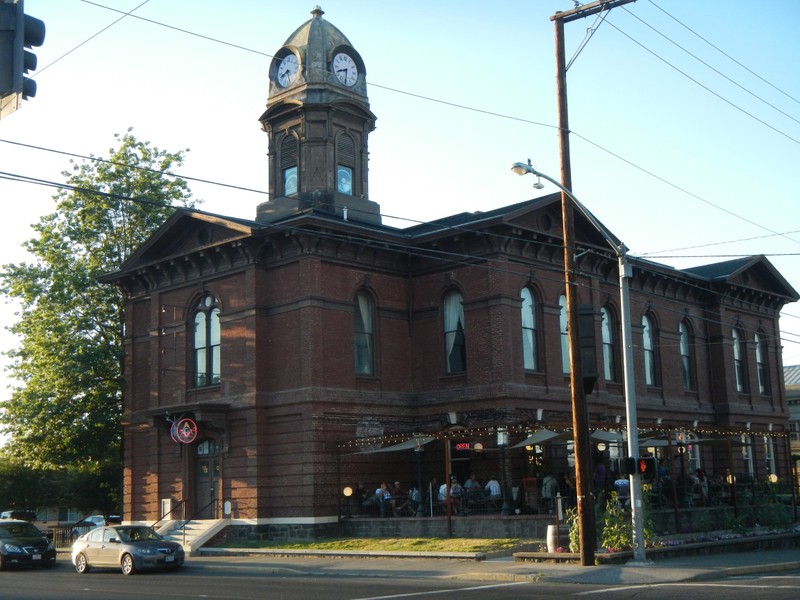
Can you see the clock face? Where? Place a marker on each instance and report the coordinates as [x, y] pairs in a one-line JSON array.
[[288, 69], [344, 180], [344, 67]]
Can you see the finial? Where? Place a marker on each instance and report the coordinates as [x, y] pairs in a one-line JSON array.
[[317, 11]]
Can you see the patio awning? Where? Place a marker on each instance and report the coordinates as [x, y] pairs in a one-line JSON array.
[[410, 444], [545, 435], [541, 436], [602, 435]]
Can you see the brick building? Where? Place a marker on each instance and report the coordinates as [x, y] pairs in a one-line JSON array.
[[264, 357]]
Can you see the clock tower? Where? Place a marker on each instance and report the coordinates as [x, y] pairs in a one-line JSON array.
[[318, 122]]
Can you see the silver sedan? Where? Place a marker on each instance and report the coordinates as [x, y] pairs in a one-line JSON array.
[[130, 548]]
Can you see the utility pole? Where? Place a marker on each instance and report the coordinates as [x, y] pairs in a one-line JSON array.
[[580, 420]]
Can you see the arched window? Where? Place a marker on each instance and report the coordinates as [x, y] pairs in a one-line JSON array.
[[609, 338], [455, 349], [363, 342], [650, 357], [530, 349], [206, 342], [761, 363], [687, 356], [738, 359], [564, 327]]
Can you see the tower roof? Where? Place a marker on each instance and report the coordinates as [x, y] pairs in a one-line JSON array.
[[315, 40], [315, 44]]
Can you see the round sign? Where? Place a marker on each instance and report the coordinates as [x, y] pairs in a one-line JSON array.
[[184, 431]]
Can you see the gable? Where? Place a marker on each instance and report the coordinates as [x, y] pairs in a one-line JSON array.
[[752, 272], [186, 232]]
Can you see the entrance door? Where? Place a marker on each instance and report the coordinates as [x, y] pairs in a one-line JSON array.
[[206, 479]]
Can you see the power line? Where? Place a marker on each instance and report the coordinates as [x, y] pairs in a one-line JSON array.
[[705, 87], [482, 111], [456, 258], [87, 40], [717, 71], [725, 54]]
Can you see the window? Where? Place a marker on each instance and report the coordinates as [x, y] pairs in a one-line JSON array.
[[761, 365], [738, 360], [769, 454], [530, 350], [290, 181], [363, 335], [344, 180], [747, 454], [345, 164], [649, 345], [454, 338], [289, 162], [206, 342], [564, 327], [687, 359], [607, 331]]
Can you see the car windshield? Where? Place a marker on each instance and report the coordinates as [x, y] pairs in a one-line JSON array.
[[18, 530], [137, 534]]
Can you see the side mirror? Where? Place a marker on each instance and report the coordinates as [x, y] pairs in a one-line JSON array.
[[114, 540]]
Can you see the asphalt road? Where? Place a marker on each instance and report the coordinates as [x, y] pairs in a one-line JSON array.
[[63, 583]]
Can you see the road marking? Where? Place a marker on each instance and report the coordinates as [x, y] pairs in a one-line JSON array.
[[715, 585], [448, 591]]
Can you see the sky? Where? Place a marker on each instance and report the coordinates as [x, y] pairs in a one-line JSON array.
[[684, 114]]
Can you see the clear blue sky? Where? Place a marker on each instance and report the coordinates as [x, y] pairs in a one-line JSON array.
[[685, 165]]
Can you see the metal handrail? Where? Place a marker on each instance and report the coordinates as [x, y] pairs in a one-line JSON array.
[[185, 521], [182, 504]]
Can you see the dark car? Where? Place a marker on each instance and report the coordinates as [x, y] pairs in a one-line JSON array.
[[130, 548], [22, 515], [23, 545]]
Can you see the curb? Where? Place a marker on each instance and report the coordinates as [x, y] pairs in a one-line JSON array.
[[745, 570], [227, 552]]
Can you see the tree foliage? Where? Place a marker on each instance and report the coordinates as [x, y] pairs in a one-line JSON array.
[[66, 410]]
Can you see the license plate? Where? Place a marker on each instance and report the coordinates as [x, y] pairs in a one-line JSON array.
[[36, 557], [169, 558]]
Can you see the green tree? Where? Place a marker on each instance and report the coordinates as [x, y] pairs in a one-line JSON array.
[[66, 410]]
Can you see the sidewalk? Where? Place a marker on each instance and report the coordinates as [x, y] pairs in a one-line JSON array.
[[454, 566]]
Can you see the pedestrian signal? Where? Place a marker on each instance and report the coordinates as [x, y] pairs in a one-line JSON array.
[[646, 466], [627, 465]]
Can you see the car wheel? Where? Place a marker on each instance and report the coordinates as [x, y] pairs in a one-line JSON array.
[[81, 564], [128, 568], [2, 563]]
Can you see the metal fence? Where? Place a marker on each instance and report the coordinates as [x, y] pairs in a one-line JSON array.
[[63, 536]]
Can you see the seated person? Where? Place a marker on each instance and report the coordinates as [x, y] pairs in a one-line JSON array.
[[494, 493], [399, 499], [455, 497], [474, 496], [623, 488]]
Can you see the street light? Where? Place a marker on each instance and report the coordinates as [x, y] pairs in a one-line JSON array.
[[625, 272]]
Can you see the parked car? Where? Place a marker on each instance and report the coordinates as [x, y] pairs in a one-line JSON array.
[[23, 545], [89, 523], [130, 548], [23, 515]]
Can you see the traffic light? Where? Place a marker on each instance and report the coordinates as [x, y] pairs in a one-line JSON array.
[[647, 467], [17, 32]]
